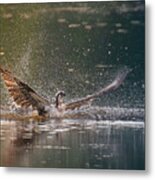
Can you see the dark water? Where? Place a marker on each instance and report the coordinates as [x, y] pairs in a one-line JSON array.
[[78, 48]]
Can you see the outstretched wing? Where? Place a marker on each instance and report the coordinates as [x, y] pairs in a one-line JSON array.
[[21, 93], [88, 99]]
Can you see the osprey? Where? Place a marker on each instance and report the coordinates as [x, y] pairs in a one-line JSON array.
[[24, 96]]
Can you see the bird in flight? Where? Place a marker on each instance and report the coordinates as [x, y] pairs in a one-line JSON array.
[[24, 96]]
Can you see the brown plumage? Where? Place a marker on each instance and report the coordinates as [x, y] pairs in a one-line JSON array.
[[22, 94], [25, 96]]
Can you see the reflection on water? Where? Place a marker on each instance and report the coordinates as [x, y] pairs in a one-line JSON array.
[[78, 48], [74, 144]]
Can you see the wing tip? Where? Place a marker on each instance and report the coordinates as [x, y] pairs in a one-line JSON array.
[[1, 69], [123, 73]]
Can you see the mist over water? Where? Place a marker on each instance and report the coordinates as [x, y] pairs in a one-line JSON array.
[[78, 48]]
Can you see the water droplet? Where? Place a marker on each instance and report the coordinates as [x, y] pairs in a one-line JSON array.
[[122, 31], [2, 53], [88, 27], [70, 70], [135, 84], [126, 48], [73, 25], [118, 25], [87, 82], [117, 58], [61, 20], [101, 24], [135, 22], [109, 52], [143, 86]]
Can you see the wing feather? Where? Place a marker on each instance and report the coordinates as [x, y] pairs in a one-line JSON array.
[[25, 96], [21, 93], [111, 87]]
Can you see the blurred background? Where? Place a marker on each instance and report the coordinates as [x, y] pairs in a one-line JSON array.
[[76, 47]]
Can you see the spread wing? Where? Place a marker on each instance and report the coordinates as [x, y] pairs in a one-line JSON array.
[[22, 94], [88, 99]]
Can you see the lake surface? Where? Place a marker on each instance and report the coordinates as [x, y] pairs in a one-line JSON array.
[[78, 48]]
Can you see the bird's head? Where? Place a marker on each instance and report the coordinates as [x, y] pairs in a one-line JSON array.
[[59, 97]]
